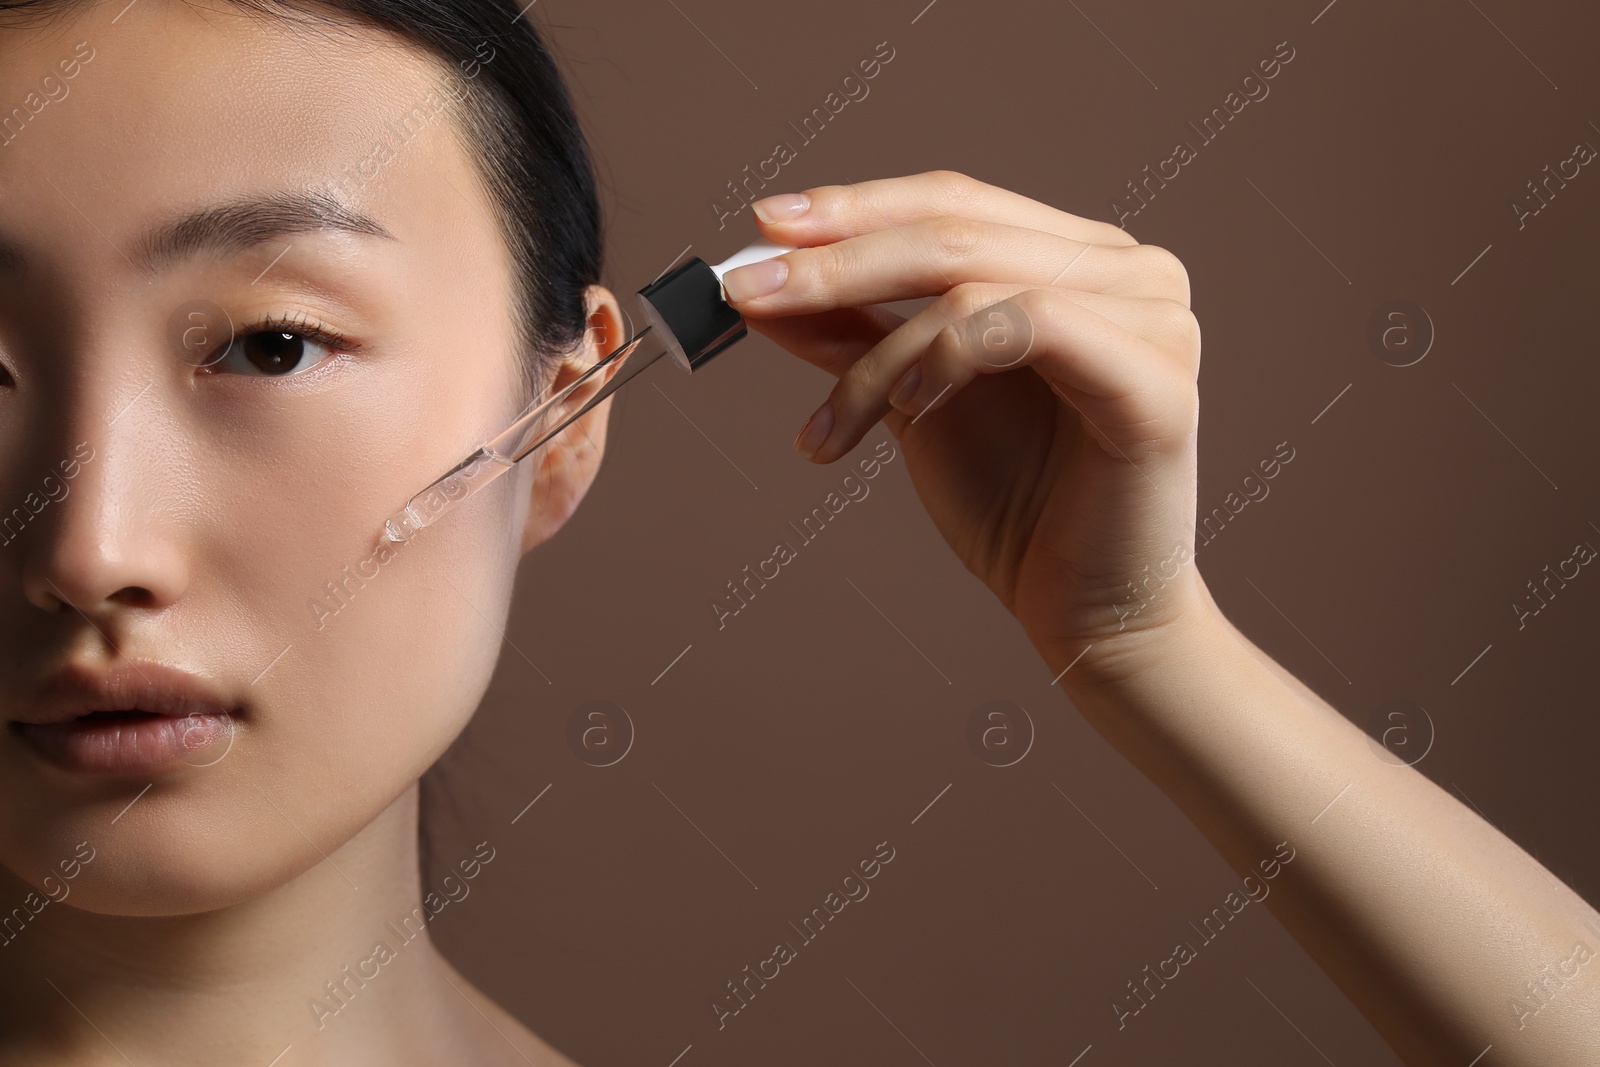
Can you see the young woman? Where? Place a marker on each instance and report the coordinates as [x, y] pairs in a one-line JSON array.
[[263, 270]]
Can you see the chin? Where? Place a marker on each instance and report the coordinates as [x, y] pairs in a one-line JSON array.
[[179, 852], [138, 878], [145, 890]]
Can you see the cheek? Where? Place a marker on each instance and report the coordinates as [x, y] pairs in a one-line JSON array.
[[407, 644], [386, 648]]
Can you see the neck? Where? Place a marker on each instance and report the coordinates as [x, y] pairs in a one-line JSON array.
[[297, 965]]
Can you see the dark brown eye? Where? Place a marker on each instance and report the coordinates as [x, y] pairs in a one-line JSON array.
[[273, 352]]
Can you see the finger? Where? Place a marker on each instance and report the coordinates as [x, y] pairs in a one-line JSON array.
[[838, 211], [1137, 394], [831, 340], [1166, 324], [930, 256]]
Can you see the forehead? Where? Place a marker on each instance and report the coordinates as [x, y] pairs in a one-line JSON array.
[[135, 112]]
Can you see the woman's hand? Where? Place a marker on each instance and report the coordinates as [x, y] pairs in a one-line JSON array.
[[1075, 507], [1049, 406]]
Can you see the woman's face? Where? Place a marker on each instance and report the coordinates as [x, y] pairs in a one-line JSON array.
[[223, 518]]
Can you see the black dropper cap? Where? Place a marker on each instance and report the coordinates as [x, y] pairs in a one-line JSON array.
[[687, 310]]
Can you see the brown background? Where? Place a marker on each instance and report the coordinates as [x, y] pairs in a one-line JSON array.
[[776, 753]]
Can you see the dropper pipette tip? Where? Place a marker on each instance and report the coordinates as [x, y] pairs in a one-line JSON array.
[[400, 526]]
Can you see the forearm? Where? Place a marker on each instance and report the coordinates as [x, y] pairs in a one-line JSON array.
[[1431, 921]]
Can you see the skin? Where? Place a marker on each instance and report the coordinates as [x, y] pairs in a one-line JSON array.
[[218, 504]]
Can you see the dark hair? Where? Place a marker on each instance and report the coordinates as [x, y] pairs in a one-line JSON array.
[[533, 158]]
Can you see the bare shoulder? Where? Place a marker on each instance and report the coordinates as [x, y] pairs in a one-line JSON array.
[[515, 1045]]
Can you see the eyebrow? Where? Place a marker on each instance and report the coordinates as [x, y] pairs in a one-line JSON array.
[[235, 226], [232, 227]]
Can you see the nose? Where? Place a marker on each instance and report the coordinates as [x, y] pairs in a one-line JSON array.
[[98, 541]]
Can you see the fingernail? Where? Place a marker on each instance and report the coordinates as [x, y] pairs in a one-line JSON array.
[[907, 388], [814, 432], [755, 279], [781, 208]]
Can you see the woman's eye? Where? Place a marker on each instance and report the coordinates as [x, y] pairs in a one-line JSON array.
[[273, 353]]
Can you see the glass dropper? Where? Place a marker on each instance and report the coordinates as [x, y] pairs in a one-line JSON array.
[[689, 312], [519, 441]]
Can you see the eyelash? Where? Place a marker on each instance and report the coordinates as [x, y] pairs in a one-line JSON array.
[[303, 325]]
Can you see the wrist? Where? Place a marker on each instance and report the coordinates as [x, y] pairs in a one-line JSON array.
[[1089, 665]]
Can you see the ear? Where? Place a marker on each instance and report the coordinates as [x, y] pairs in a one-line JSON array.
[[568, 462]]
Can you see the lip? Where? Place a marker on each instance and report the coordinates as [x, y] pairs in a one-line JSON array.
[[138, 717]]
